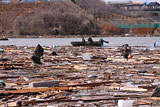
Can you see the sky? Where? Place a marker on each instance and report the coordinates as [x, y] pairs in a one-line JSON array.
[[134, 0]]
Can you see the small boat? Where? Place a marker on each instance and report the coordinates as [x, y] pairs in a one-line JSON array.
[[94, 43]]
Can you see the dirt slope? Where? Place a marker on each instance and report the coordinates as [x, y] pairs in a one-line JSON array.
[[49, 18]]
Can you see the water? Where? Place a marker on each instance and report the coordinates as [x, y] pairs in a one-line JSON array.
[[114, 41]]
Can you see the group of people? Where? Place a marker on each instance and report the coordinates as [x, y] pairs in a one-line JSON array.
[[89, 40], [39, 51]]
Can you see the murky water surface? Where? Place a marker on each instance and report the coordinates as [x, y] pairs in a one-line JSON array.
[[114, 41]]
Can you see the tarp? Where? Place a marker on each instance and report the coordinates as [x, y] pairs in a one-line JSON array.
[[30, 0]]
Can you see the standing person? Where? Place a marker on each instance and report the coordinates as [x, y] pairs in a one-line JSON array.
[[83, 40], [126, 51], [38, 53], [90, 40]]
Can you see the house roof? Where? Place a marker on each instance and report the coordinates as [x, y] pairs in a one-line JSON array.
[[151, 3], [142, 4], [138, 2]]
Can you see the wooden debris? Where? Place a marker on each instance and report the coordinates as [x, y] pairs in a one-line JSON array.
[[101, 80]]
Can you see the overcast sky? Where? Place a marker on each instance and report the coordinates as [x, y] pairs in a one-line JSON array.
[[132, 0]]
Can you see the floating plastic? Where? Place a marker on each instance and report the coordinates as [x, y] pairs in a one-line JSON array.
[[125, 103], [156, 44], [86, 56]]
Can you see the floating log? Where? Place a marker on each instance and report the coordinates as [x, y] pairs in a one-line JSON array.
[[50, 83], [44, 100], [134, 89], [153, 98], [4, 39], [37, 90], [142, 102], [131, 96], [91, 100], [6, 77], [12, 66], [69, 87]]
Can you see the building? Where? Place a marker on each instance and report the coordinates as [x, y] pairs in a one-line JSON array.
[[145, 6]]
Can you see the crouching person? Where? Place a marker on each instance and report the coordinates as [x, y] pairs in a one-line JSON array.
[[126, 51], [38, 53]]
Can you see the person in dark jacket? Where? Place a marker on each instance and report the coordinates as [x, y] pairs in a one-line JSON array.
[[90, 40], [54, 53], [38, 53], [125, 51], [83, 40]]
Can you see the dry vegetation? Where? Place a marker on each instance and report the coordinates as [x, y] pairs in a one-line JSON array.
[[79, 17], [142, 30], [50, 18]]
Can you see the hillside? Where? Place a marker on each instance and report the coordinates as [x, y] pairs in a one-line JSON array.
[[89, 17], [50, 18]]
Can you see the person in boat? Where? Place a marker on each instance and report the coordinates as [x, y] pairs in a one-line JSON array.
[[101, 41], [125, 51], [38, 53], [90, 40], [83, 40]]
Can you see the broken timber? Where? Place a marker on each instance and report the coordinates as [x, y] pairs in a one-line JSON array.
[[64, 88]]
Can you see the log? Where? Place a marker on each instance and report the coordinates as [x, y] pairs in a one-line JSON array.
[[37, 90], [128, 89], [152, 98], [91, 100], [64, 88], [94, 84], [131, 96], [142, 102], [6, 77], [44, 100]]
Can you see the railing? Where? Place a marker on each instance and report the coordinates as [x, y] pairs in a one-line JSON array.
[[138, 25]]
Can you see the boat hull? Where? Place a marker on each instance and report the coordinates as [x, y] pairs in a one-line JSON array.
[[77, 43]]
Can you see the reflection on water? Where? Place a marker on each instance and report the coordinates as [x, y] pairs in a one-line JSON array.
[[114, 41]]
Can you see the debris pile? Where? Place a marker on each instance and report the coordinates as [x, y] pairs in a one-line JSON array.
[[105, 79]]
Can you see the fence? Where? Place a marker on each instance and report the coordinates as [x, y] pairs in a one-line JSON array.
[[122, 26]]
